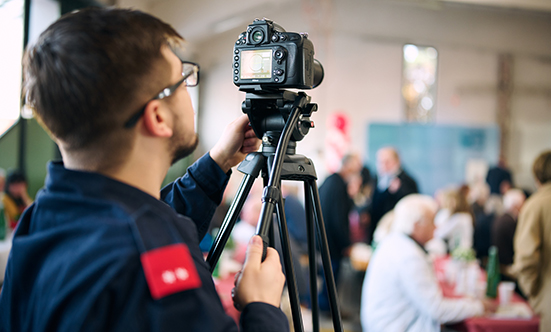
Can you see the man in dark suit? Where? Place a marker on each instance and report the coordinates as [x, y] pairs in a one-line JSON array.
[[336, 204], [499, 178], [393, 183]]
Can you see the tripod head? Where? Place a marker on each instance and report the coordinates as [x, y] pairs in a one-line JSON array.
[[269, 110]]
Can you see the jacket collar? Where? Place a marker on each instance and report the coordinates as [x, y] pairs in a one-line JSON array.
[[61, 180]]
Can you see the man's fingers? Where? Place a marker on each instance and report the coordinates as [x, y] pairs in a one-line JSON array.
[[251, 142], [254, 252], [242, 122], [272, 256], [250, 133], [236, 278]]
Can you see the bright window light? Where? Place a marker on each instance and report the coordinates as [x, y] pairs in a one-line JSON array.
[[11, 50]]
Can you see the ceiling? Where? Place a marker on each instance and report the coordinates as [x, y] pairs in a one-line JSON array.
[[201, 19], [533, 5]]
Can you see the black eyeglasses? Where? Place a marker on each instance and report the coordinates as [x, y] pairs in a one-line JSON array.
[[190, 76]]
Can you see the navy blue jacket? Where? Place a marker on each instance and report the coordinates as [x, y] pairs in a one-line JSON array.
[[75, 261]]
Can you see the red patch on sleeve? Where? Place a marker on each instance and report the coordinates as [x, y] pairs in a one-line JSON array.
[[169, 270]]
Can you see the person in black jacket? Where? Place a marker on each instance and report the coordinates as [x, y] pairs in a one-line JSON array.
[[103, 248], [499, 178], [393, 183], [336, 204], [503, 230]]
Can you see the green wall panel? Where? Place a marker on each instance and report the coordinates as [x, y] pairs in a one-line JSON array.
[[9, 148], [40, 150]]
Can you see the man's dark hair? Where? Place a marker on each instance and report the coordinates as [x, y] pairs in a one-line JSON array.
[[91, 69], [542, 167]]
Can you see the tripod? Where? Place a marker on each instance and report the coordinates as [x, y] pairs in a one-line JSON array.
[[281, 163]]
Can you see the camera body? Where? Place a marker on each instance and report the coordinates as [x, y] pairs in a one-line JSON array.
[[266, 57]]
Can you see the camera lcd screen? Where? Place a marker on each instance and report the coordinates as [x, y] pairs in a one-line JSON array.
[[256, 64]]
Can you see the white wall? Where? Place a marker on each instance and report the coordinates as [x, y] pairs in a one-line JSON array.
[[360, 44], [531, 116]]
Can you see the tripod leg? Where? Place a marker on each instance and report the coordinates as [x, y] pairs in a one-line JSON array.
[[310, 232], [326, 260], [289, 269], [229, 221]]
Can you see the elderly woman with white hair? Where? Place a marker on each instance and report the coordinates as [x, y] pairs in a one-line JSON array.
[[400, 290]]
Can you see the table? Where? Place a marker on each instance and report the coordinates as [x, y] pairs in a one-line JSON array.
[[487, 323]]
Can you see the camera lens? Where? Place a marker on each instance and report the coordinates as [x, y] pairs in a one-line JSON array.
[[318, 73], [257, 36]]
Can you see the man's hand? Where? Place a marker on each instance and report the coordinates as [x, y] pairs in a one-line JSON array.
[[259, 281], [238, 139], [490, 306]]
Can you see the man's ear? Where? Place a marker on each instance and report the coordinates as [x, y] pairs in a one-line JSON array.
[[157, 119]]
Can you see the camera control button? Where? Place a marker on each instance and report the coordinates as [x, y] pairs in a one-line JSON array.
[[236, 51], [275, 38], [280, 54], [279, 72], [235, 78], [236, 65], [283, 37], [236, 58], [276, 80], [236, 71]]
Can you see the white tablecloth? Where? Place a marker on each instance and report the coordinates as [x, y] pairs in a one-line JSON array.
[[5, 247]]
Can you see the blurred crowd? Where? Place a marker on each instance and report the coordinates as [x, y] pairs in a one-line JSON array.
[[405, 231]]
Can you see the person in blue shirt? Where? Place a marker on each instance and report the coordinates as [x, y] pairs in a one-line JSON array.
[[103, 248]]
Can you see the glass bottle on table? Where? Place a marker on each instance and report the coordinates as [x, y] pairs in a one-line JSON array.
[[492, 273], [3, 225]]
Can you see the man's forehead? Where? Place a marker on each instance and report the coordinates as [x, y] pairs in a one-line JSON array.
[[386, 154]]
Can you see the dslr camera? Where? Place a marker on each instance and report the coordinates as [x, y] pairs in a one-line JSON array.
[[267, 58]]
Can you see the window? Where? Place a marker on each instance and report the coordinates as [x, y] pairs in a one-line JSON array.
[[11, 35], [419, 82]]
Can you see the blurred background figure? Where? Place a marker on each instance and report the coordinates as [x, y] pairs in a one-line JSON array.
[[336, 204], [295, 216], [15, 199], [245, 227], [499, 178], [3, 223], [503, 231], [360, 188], [384, 228], [532, 244], [400, 290], [393, 183], [454, 221], [2, 181], [479, 194]]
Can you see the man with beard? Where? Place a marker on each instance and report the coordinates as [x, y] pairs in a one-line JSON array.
[[103, 248], [393, 183]]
